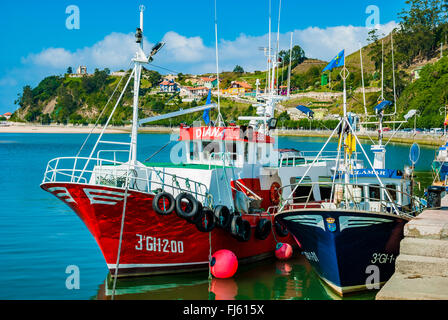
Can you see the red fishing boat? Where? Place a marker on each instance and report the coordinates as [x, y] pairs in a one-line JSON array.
[[218, 192]]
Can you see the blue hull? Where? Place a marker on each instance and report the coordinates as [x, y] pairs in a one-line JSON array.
[[347, 248], [443, 169]]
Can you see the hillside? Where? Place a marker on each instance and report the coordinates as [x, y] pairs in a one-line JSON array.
[[65, 99], [82, 100]]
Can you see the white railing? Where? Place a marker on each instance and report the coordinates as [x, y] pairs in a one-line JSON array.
[[112, 173], [344, 196]]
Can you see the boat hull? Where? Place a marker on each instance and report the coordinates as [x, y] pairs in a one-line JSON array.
[[442, 169], [351, 251], [151, 243]]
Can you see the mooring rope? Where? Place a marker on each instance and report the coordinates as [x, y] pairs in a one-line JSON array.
[[121, 230], [209, 263]]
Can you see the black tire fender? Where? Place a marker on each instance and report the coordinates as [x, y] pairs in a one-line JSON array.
[[159, 205], [264, 227], [206, 221], [281, 230], [191, 208], [240, 229], [223, 217]]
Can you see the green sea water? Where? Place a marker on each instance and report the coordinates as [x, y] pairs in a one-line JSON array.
[[41, 237]]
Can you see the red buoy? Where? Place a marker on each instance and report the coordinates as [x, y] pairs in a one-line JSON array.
[[224, 289], [283, 251], [283, 268], [223, 264]]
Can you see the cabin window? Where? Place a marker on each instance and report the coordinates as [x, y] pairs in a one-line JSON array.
[[325, 187], [375, 193], [259, 153], [268, 151], [304, 191], [246, 152], [231, 148], [210, 148], [194, 150], [392, 189]]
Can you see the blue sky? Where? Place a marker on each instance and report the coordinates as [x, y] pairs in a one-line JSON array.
[[36, 42]]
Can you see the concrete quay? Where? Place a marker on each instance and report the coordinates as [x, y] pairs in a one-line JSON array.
[[421, 269]]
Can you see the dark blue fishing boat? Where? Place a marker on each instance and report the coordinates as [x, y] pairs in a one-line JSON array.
[[350, 226]]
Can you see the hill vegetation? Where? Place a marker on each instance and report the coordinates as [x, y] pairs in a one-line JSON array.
[[422, 29]]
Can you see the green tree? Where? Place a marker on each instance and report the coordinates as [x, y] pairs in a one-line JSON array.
[[69, 70], [238, 69], [297, 55], [153, 77]]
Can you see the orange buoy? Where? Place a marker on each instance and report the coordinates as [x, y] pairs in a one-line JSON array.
[[223, 264], [283, 251]]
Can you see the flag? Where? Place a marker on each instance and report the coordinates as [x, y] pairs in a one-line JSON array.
[[337, 61], [381, 105], [206, 115]]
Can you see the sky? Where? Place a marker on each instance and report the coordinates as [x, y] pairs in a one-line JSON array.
[[42, 38]]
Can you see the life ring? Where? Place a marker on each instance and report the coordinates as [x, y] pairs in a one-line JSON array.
[[205, 222], [188, 210], [280, 230], [275, 193], [263, 229], [223, 216], [240, 229], [163, 203]]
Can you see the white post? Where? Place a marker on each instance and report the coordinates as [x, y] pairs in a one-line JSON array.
[[269, 48], [382, 70], [290, 65], [138, 70]]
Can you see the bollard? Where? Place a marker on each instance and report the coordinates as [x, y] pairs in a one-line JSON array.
[[435, 196]]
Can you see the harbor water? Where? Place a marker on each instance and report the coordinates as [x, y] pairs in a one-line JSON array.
[[41, 239]]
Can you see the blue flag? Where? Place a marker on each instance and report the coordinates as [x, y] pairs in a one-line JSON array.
[[206, 115], [381, 105], [337, 61]]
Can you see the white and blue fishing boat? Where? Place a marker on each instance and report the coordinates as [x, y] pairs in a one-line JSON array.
[[350, 226], [440, 166]]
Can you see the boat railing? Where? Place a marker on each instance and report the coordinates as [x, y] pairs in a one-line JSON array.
[[304, 159], [324, 154], [113, 173], [350, 196]]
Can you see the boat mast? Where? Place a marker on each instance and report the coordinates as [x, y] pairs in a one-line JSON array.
[[289, 68], [344, 74], [139, 60]]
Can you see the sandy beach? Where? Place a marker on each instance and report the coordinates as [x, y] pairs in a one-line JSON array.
[[405, 138], [30, 128]]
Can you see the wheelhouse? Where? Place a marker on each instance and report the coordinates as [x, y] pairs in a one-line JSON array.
[[235, 145]]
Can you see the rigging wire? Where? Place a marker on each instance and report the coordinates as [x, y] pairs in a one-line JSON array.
[[219, 119], [102, 112]]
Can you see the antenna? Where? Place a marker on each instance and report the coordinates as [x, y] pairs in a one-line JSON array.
[[219, 120], [362, 77], [142, 9], [382, 69], [278, 40], [269, 48]]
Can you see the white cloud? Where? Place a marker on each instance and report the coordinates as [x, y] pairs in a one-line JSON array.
[[183, 49], [114, 51], [190, 54], [183, 54], [326, 43]]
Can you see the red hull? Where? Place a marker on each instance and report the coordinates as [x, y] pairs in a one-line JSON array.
[[153, 244]]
